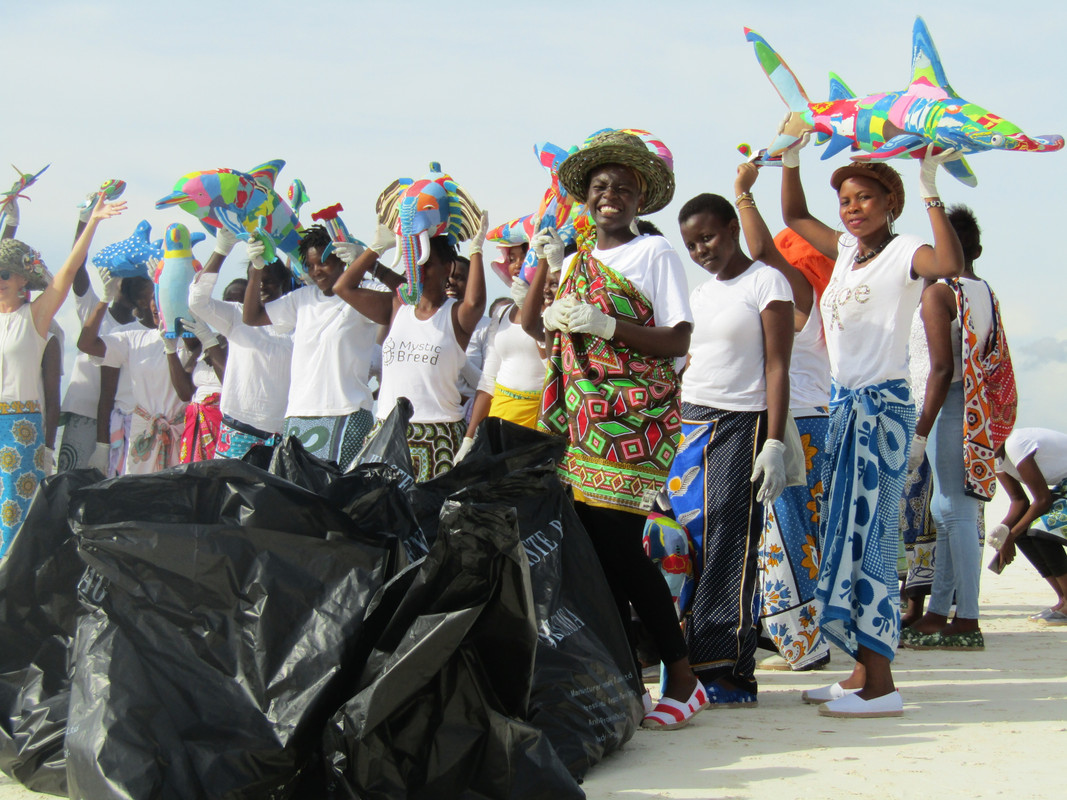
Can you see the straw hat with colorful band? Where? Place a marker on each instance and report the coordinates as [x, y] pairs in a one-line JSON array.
[[632, 148], [876, 171], [19, 258]]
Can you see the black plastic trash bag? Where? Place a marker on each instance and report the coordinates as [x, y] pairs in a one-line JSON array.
[[227, 633], [291, 461], [389, 444], [39, 612], [439, 713]]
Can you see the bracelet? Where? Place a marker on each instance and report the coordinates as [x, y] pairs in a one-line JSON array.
[[742, 208], [934, 203], [742, 197]]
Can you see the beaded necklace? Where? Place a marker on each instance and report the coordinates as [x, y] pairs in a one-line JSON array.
[[860, 259]]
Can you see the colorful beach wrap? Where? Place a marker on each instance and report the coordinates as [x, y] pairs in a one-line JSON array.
[[712, 496], [863, 479], [522, 408], [121, 426], [617, 407], [78, 442], [155, 442], [918, 531], [21, 464], [201, 434], [336, 439], [789, 557], [236, 438]]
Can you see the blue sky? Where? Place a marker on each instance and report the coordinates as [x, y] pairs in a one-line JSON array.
[[353, 95]]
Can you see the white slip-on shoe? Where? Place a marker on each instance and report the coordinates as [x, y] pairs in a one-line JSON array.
[[824, 694], [854, 706]]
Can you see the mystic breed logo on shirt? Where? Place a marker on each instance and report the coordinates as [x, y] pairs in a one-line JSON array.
[[406, 352]]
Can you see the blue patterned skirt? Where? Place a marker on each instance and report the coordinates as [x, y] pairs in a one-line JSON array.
[[21, 464]]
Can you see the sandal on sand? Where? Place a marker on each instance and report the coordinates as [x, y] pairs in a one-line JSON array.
[[721, 697], [669, 715], [972, 640], [1041, 616], [911, 639], [824, 694], [855, 707], [1056, 618]]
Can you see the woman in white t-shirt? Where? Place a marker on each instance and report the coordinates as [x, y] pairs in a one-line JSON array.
[[735, 398], [426, 347], [1037, 459], [961, 462], [24, 330], [867, 309]]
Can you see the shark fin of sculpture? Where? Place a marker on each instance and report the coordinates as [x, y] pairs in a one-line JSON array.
[[897, 146], [839, 89], [783, 79], [926, 69], [266, 174], [836, 145], [961, 171]]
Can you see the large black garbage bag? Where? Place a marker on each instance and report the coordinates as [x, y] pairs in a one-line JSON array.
[[291, 461], [39, 613], [443, 694], [226, 634], [389, 444]]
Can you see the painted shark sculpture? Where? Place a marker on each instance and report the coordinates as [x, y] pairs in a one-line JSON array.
[[416, 211], [134, 255], [927, 114], [238, 201]]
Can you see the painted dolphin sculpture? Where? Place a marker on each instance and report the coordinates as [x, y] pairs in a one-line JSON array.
[[419, 210], [928, 114], [238, 200], [24, 181], [134, 255], [173, 277]]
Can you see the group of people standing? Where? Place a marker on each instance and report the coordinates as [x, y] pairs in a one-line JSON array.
[[770, 407]]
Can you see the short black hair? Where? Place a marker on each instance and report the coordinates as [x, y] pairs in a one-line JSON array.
[[131, 288], [237, 284], [442, 248], [963, 221], [714, 204], [649, 228], [316, 236]]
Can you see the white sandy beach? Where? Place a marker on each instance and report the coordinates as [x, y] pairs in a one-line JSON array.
[[975, 725]]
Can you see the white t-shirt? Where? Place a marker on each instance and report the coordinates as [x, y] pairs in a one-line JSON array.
[[421, 360], [514, 360], [1049, 449], [205, 381], [332, 347], [83, 390], [256, 386], [867, 313], [140, 352], [21, 348], [809, 366], [726, 358], [476, 352]]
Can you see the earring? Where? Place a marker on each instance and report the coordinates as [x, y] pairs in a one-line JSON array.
[[889, 221]]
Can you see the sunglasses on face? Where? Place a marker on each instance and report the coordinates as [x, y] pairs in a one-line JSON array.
[[5, 275]]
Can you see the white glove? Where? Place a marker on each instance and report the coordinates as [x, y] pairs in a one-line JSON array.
[[996, 537], [557, 317], [347, 251], [548, 244], [928, 171], [10, 214], [101, 457], [478, 240], [464, 448], [225, 239], [791, 157], [770, 463], [915, 455], [48, 460], [256, 249], [112, 287], [384, 240], [170, 346], [587, 318], [85, 210], [201, 331], [519, 290]]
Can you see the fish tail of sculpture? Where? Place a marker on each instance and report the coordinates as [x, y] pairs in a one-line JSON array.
[[788, 88]]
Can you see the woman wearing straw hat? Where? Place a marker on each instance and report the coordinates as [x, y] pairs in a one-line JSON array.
[[619, 325], [867, 310], [23, 336]]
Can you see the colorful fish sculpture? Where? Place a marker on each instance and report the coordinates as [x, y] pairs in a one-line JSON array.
[[134, 255], [298, 196], [416, 211], [173, 277], [928, 114], [112, 189], [238, 200], [24, 181]]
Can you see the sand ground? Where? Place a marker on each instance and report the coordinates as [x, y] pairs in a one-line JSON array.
[[976, 725]]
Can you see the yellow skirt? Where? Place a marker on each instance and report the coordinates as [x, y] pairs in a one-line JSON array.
[[521, 408]]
